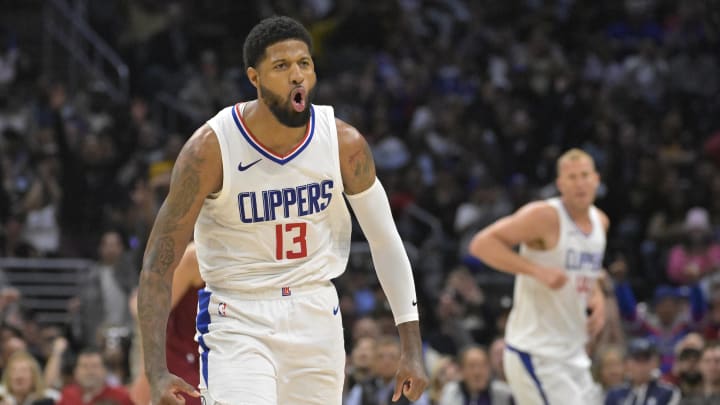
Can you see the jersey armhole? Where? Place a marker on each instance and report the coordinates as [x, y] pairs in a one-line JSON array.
[[224, 150], [559, 212], [335, 141]]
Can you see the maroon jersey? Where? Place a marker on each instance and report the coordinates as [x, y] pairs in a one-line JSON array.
[[182, 351]]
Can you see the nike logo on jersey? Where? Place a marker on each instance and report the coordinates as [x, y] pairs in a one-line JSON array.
[[243, 168], [335, 310], [414, 303]]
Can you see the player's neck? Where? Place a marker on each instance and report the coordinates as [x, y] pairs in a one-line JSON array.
[[268, 130], [577, 213]]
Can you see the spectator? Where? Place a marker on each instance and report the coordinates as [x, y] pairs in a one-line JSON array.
[[685, 373], [12, 243], [359, 368], [41, 204], [668, 321], [104, 292], [698, 255], [23, 384], [609, 367], [208, 90], [55, 360], [9, 303], [497, 348], [711, 327], [365, 327], [710, 370], [380, 390], [90, 387], [443, 371], [476, 384], [451, 332], [11, 345], [9, 57], [643, 388]]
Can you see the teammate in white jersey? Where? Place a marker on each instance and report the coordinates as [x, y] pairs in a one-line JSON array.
[[562, 244], [263, 185]]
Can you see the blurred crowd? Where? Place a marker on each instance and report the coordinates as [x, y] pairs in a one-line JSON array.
[[466, 105]]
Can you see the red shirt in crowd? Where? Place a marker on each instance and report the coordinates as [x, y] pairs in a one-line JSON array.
[[72, 395]]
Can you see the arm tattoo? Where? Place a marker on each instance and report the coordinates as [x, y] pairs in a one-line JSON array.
[[189, 184], [153, 296], [164, 250], [163, 256], [362, 161]]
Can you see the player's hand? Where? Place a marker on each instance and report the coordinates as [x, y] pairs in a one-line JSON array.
[[166, 388], [410, 379], [552, 277]]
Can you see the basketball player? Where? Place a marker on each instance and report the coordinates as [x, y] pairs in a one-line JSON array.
[[263, 184], [181, 348], [562, 244]]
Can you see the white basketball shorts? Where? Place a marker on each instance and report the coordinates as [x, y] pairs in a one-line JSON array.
[[536, 380], [271, 347]]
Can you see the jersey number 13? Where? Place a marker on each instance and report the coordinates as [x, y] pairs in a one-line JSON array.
[[296, 233]]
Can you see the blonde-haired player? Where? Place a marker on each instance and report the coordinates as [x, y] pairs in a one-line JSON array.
[[562, 244]]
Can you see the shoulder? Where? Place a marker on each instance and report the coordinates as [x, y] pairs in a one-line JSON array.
[[603, 218], [618, 392], [348, 135], [538, 212], [540, 207], [202, 139], [665, 388], [203, 146], [198, 167]]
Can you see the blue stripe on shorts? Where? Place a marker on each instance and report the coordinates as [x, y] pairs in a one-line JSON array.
[[527, 362], [203, 322]]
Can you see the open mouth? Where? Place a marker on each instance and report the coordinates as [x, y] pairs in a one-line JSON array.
[[298, 98]]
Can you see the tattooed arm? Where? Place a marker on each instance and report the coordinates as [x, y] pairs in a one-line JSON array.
[[372, 210], [197, 173]]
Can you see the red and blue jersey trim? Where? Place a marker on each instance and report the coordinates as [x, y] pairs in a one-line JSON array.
[[262, 149]]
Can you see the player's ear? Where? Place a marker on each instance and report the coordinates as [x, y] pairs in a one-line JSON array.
[[252, 75]]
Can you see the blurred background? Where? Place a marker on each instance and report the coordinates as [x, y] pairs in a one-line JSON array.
[[466, 105]]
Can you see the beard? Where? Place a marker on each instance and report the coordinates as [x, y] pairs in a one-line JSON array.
[[282, 108]]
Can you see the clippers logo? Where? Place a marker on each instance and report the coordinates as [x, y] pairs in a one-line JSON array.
[[222, 307], [286, 291]]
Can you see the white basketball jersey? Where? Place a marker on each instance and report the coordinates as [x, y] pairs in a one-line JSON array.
[[553, 322], [279, 221]]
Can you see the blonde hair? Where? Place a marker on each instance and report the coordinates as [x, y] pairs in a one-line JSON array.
[[573, 155], [38, 386], [600, 356]]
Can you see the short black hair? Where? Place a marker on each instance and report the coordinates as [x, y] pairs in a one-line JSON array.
[[271, 31]]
